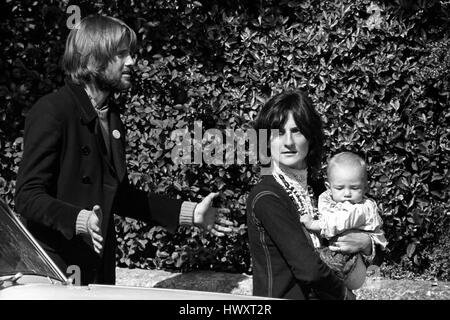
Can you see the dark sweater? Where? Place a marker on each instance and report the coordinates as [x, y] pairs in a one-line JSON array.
[[285, 264]]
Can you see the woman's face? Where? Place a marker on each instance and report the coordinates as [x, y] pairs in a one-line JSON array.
[[289, 147]]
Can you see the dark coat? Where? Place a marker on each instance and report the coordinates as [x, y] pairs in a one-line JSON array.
[[66, 168], [285, 264]]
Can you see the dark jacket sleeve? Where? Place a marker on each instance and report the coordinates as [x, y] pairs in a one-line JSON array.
[[37, 175], [151, 208], [286, 232]]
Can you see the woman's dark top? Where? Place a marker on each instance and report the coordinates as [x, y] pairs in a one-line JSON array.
[[285, 264]]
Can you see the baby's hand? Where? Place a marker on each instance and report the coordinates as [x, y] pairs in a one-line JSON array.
[[307, 220], [345, 205]]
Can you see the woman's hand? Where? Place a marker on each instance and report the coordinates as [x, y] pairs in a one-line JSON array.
[[352, 242]]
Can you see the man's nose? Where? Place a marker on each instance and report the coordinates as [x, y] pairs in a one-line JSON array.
[[129, 61]]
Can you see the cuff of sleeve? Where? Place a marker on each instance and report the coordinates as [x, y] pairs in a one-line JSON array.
[[187, 213], [81, 223], [369, 258]]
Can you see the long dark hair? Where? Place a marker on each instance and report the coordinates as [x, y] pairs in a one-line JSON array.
[[274, 115]]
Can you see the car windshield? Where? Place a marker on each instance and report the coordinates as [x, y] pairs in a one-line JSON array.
[[18, 252]]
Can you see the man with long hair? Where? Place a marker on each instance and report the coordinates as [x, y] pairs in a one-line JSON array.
[[73, 176]]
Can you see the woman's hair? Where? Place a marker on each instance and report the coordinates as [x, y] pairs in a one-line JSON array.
[[92, 44], [274, 115]]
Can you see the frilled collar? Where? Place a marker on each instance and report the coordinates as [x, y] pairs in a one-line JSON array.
[[300, 176]]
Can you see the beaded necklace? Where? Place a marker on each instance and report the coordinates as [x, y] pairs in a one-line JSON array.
[[297, 191]]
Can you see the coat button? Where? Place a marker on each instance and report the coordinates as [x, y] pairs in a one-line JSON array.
[[85, 150], [86, 180]]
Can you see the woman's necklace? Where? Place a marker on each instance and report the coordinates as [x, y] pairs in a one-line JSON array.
[[299, 196]]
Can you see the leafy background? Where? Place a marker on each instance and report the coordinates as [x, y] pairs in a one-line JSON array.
[[378, 72]]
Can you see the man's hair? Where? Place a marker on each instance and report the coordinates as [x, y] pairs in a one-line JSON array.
[[92, 44], [348, 159], [275, 113]]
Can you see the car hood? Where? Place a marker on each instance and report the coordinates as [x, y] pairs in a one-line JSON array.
[[43, 291]]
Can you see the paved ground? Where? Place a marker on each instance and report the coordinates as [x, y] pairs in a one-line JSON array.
[[200, 280], [375, 288]]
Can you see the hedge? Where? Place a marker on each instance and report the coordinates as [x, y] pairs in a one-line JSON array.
[[378, 72]]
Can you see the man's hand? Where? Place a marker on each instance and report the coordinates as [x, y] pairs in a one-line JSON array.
[[93, 226], [208, 218], [353, 242]]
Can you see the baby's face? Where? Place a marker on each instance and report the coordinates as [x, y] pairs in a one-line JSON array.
[[347, 184]]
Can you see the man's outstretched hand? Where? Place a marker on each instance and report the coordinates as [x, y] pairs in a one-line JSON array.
[[211, 219], [93, 226]]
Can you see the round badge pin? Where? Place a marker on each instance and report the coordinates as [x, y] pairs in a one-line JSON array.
[[116, 134]]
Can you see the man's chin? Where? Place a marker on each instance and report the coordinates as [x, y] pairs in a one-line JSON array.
[[121, 85], [124, 85], [114, 86]]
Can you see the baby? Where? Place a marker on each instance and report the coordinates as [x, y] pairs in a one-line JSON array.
[[342, 207]]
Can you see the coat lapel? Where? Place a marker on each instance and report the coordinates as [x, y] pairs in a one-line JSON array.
[[101, 143], [89, 117], [117, 136], [88, 113]]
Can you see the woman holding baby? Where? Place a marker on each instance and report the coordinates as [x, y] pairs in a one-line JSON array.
[[285, 261]]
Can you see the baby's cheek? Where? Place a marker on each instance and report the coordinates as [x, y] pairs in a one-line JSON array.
[[359, 197]]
